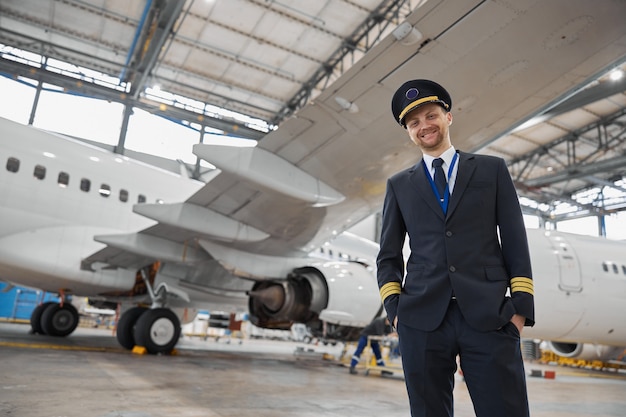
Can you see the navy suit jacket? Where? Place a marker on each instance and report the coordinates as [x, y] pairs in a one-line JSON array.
[[476, 252]]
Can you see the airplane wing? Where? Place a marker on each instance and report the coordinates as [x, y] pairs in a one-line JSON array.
[[325, 169]]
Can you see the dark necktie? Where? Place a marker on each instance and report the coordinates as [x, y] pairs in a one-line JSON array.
[[440, 178]]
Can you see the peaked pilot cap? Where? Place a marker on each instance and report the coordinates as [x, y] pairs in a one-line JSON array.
[[412, 94]]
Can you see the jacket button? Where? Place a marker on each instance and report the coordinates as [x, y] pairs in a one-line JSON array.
[[448, 233], [452, 268]]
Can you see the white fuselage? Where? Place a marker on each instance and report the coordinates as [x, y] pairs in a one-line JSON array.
[[47, 227], [580, 288]]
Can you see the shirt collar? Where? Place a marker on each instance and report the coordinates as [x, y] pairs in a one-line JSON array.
[[446, 156]]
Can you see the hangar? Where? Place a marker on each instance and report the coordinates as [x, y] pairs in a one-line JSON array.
[[307, 83], [245, 68], [263, 60]]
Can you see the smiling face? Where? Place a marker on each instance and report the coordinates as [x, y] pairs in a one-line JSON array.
[[428, 128]]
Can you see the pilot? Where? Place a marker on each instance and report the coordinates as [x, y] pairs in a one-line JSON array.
[[468, 289]]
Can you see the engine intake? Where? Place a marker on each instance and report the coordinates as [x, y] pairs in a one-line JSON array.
[[334, 299], [279, 304]]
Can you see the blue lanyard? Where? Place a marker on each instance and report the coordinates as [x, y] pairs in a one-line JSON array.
[[443, 202]]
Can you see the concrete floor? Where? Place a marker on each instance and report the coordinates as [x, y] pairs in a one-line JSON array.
[[87, 374]]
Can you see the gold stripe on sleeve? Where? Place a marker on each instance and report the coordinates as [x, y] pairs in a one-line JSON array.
[[389, 288], [522, 284]]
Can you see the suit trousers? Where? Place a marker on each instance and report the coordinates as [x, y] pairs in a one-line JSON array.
[[491, 363]]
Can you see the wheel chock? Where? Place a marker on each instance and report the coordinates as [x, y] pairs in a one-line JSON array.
[[140, 350]]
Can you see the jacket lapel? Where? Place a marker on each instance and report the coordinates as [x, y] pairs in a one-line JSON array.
[[467, 165], [418, 178]]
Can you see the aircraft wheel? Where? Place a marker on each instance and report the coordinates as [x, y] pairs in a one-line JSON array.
[[126, 327], [35, 317], [157, 330], [59, 321]]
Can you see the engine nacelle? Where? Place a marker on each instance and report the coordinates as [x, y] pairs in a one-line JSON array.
[[334, 299], [585, 351], [278, 304]]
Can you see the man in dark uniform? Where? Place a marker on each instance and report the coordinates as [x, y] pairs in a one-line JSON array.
[[468, 289], [378, 327]]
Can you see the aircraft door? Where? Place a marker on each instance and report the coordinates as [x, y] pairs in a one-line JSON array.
[[570, 279]]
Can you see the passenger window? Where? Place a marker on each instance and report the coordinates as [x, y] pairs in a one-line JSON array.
[[40, 172], [615, 268], [605, 267], [141, 198], [13, 164], [105, 190], [85, 185], [64, 179], [123, 196], [623, 269]]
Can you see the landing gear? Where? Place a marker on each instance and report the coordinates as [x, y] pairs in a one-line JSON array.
[[126, 327], [157, 330], [35, 317], [59, 320], [54, 319]]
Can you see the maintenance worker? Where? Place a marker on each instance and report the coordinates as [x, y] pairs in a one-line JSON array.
[[468, 289], [378, 327]]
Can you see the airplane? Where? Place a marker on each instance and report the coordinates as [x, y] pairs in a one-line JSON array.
[[77, 220], [70, 197]]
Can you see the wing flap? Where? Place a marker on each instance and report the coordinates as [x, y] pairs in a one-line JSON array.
[[198, 219], [112, 258], [135, 250]]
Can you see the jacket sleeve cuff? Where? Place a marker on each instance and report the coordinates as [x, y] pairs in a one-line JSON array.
[[390, 294], [522, 294]]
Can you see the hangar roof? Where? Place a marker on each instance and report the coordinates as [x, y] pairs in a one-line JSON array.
[[250, 56], [265, 59]]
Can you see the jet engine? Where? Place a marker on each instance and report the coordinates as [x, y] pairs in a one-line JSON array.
[[334, 299], [585, 351]]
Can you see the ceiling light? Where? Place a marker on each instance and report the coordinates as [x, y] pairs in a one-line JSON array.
[[616, 75]]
